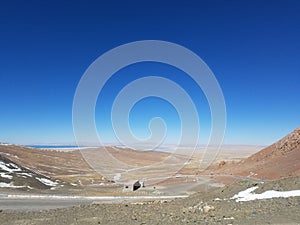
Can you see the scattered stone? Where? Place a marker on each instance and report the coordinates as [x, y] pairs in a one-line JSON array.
[[222, 163], [134, 217], [229, 218], [208, 208]]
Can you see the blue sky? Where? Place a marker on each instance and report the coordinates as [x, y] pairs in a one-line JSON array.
[[252, 47]]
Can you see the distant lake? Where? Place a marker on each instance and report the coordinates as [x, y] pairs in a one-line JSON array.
[[52, 146], [63, 148]]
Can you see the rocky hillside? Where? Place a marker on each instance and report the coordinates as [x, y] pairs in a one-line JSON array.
[[281, 159], [289, 143], [69, 167], [14, 176]]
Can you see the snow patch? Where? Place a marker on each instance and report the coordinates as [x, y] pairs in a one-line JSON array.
[[9, 167], [10, 185], [47, 182], [26, 174], [4, 175], [247, 194]]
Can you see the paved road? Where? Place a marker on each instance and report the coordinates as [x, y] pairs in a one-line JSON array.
[[44, 202]]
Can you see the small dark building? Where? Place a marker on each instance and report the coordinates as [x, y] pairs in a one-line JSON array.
[[133, 186], [136, 185]]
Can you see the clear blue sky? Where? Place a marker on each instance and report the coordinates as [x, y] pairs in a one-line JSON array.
[[252, 47]]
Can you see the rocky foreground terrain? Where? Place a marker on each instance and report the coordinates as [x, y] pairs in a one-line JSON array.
[[213, 207]]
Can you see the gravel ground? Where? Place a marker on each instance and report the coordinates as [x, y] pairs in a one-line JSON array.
[[200, 208]]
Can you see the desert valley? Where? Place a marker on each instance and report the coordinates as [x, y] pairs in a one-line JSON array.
[[244, 185]]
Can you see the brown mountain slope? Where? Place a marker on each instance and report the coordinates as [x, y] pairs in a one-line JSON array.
[[14, 176], [71, 166], [66, 166], [281, 159]]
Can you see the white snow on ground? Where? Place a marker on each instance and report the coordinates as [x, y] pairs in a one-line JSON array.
[[247, 195], [9, 167], [4, 175], [10, 185], [26, 174], [9, 170], [47, 181]]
